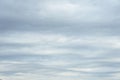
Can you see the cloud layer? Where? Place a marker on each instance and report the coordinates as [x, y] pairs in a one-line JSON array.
[[59, 40]]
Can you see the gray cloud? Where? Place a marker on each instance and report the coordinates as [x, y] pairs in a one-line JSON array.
[[59, 39], [69, 17]]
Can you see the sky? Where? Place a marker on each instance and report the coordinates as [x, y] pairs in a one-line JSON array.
[[59, 39]]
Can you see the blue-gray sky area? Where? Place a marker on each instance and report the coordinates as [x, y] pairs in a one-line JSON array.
[[60, 39]]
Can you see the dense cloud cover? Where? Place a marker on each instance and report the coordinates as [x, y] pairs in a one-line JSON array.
[[59, 39]]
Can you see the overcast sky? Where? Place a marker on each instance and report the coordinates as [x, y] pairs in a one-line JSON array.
[[60, 39]]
